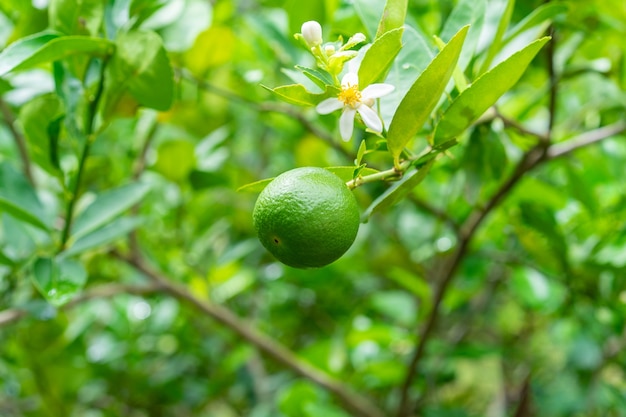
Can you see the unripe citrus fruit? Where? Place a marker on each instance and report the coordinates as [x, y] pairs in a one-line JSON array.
[[306, 217]]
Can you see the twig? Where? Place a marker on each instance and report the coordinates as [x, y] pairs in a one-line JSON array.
[[530, 160], [104, 291], [585, 139], [357, 404], [524, 404], [554, 83], [89, 139], [20, 142]]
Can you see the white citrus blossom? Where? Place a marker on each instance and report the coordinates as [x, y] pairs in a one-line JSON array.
[[352, 100], [312, 33]]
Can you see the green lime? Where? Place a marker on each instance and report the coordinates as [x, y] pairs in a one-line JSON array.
[[307, 217]]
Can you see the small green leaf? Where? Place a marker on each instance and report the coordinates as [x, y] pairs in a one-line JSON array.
[[397, 191], [298, 95], [18, 198], [360, 153], [393, 16], [40, 119], [496, 43], [423, 96], [107, 206], [255, 187], [379, 57], [58, 280], [347, 173], [484, 92], [49, 46], [319, 77], [101, 237]]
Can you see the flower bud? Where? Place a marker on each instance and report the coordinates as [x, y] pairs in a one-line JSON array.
[[312, 33]]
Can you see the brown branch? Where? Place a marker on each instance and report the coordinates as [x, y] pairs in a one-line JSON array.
[[524, 404], [104, 291], [20, 142], [530, 160], [585, 139], [355, 403]]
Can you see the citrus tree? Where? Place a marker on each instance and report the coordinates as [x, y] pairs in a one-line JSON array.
[[285, 208]]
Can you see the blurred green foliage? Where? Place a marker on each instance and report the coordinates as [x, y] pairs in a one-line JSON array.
[[538, 298]]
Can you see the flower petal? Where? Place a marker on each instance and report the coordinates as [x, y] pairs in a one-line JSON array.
[[350, 79], [329, 105], [370, 118], [346, 123], [377, 90]]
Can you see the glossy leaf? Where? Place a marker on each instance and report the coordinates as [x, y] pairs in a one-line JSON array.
[[347, 173], [18, 198], [398, 190], [466, 12], [539, 15], [393, 16], [58, 280], [40, 120], [103, 236], [423, 96], [50, 46], [484, 92], [298, 95], [107, 206], [370, 12], [74, 17], [140, 66], [255, 187], [379, 57]]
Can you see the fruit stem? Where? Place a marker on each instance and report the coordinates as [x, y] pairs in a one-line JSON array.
[[394, 173]]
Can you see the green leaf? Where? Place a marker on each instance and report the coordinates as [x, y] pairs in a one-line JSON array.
[[58, 280], [40, 119], [484, 92], [370, 12], [255, 187], [536, 17], [100, 237], [107, 206], [423, 96], [393, 16], [49, 46], [466, 12], [298, 95], [18, 198], [347, 173], [319, 77], [74, 17], [496, 43], [397, 191], [379, 57], [140, 66]]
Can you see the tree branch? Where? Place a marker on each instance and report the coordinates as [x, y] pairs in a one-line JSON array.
[[104, 291], [530, 160], [20, 142], [355, 403], [585, 139]]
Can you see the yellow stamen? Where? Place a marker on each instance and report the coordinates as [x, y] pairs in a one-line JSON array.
[[350, 95]]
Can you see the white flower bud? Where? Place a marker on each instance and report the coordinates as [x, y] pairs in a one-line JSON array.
[[312, 33]]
